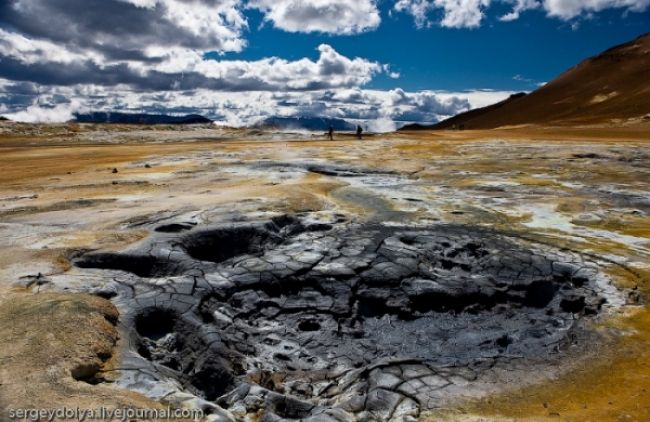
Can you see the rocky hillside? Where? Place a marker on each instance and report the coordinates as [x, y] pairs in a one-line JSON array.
[[611, 87]]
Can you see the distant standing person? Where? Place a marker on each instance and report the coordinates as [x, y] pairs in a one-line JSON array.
[[330, 133], [359, 131]]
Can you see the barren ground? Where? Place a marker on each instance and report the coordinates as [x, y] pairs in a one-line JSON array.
[[581, 195]]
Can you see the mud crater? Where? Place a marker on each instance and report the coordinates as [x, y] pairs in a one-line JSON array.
[[335, 321]]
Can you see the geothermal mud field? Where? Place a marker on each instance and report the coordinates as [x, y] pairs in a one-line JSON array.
[[397, 278], [330, 319]]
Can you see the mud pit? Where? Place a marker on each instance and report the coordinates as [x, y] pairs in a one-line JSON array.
[[295, 318]]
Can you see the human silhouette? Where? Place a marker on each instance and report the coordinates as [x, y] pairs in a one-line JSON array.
[[359, 131], [330, 133]]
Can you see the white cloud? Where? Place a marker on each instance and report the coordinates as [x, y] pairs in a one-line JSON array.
[[222, 20], [331, 69], [456, 13], [470, 13], [147, 4], [568, 9], [159, 45], [462, 13], [180, 68], [30, 51], [519, 7], [327, 16], [122, 27], [419, 9], [479, 98]]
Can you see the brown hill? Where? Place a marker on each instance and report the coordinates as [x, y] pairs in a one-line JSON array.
[[610, 87]]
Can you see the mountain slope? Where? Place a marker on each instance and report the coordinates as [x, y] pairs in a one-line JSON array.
[[614, 85]]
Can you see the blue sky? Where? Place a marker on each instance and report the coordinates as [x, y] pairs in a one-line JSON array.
[[535, 47], [383, 62]]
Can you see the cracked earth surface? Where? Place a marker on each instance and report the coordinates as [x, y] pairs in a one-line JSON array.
[[330, 320], [387, 280]]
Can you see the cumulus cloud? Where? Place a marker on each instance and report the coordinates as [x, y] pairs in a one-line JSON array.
[[119, 28], [456, 13], [160, 45], [327, 16], [519, 7], [568, 9], [178, 69], [470, 13], [59, 57]]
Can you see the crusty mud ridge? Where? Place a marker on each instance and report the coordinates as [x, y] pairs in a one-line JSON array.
[[313, 318]]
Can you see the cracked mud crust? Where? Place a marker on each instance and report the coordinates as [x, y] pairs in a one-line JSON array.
[[304, 319]]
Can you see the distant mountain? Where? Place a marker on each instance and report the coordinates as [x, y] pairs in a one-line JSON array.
[[614, 85], [307, 123], [140, 118]]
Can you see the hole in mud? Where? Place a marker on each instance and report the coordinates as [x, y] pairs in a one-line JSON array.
[[540, 293], [407, 240], [174, 228], [319, 227], [155, 324], [504, 341], [282, 357], [213, 380], [309, 325], [222, 244], [447, 264], [87, 373], [140, 265], [573, 304], [105, 294], [292, 409], [167, 340]]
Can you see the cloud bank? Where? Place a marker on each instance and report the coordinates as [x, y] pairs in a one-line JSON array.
[[326, 16], [59, 57], [470, 13], [27, 101]]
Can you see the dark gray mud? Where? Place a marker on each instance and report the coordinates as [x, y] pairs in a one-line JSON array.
[[295, 319]]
